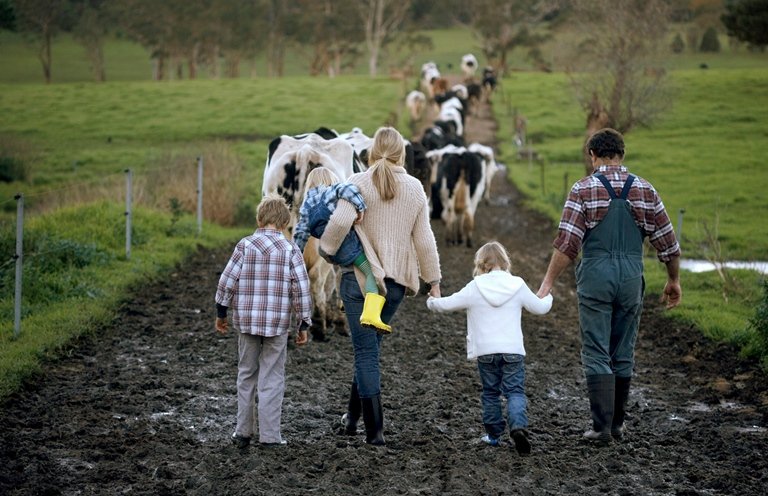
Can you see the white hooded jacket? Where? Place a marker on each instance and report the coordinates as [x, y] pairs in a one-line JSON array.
[[494, 303]]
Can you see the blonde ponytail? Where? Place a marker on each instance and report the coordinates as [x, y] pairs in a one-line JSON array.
[[387, 150]]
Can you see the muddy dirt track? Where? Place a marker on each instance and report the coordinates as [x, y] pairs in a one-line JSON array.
[[147, 405]]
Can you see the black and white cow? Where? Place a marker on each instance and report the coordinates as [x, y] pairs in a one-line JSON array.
[[459, 186], [291, 158]]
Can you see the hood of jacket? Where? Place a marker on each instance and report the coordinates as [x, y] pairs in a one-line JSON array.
[[498, 286]]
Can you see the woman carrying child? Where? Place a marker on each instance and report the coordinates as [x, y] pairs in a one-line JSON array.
[[400, 246]]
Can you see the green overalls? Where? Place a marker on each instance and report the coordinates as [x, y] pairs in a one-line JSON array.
[[610, 285]]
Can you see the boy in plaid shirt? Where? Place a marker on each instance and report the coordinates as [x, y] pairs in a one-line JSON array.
[[265, 282]]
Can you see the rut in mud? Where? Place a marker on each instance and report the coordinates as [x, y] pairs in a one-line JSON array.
[[147, 405]]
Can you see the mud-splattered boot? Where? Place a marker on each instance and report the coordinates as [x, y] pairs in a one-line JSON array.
[[601, 400], [620, 406], [373, 417], [354, 407]]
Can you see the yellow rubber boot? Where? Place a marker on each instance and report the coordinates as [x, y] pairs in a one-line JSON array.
[[372, 312]]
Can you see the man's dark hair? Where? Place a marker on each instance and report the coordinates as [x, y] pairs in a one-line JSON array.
[[606, 143]]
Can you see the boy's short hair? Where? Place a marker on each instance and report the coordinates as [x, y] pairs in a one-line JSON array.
[[273, 210], [606, 143], [490, 256]]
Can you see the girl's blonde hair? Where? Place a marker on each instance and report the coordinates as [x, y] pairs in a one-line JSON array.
[[490, 256], [320, 176], [388, 149]]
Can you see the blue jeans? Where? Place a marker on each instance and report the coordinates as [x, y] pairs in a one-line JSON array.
[[366, 342], [503, 374], [350, 248]]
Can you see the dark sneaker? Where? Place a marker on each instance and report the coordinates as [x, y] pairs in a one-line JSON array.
[[522, 445], [240, 441], [491, 441]]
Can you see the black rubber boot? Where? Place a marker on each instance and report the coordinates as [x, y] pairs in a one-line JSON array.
[[620, 406], [373, 417], [601, 399], [354, 407]]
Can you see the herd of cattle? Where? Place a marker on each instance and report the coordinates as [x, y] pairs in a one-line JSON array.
[[455, 175]]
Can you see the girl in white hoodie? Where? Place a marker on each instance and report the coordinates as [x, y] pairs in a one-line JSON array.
[[494, 301]]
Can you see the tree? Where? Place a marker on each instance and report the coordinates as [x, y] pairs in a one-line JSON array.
[[382, 20], [90, 30], [502, 25], [7, 16], [615, 73], [747, 20], [709, 42], [40, 19], [323, 30], [678, 45]]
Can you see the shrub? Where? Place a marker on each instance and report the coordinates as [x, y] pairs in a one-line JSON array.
[[710, 42], [15, 157], [678, 45], [759, 324]]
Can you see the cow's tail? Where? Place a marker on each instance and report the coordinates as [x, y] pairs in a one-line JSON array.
[[461, 200]]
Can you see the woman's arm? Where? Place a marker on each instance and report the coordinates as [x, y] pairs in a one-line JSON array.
[[338, 226]]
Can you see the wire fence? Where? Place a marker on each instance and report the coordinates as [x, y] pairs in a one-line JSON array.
[[98, 188]]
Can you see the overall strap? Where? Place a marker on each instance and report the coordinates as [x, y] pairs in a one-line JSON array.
[[607, 185], [611, 192], [627, 185]]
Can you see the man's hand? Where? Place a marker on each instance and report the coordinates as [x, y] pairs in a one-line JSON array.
[[222, 325], [673, 293], [302, 337]]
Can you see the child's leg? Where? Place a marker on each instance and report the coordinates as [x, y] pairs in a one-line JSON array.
[[490, 370], [362, 263], [248, 349], [374, 302], [271, 387], [513, 388]]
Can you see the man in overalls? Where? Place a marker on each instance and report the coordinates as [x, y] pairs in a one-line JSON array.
[[606, 217]]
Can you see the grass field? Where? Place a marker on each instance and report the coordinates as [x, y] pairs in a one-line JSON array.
[[703, 156], [75, 136]]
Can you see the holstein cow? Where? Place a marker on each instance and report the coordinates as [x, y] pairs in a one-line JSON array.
[[429, 73], [489, 82], [486, 152], [452, 110], [434, 157], [460, 183], [416, 101], [468, 65]]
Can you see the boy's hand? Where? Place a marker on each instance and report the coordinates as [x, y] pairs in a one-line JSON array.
[[360, 216], [301, 337], [221, 325]]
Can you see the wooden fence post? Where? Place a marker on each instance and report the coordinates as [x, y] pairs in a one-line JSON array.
[[128, 213], [19, 259]]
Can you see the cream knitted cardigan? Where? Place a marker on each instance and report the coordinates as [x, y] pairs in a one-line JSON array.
[[396, 235]]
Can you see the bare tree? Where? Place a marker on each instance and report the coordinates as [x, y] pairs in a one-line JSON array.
[[90, 30], [616, 72], [503, 25], [382, 20], [40, 20]]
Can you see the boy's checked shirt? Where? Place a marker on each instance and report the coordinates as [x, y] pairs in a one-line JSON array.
[[264, 281]]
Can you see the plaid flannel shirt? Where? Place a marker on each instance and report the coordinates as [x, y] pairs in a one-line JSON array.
[[265, 281], [328, 195], [587, 204]]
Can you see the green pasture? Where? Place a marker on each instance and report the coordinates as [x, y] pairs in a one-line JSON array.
[[704, 156], [74, 135], [79, 132]]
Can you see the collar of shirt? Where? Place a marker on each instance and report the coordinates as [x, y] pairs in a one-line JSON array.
[[610, 168], [267, 230]]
